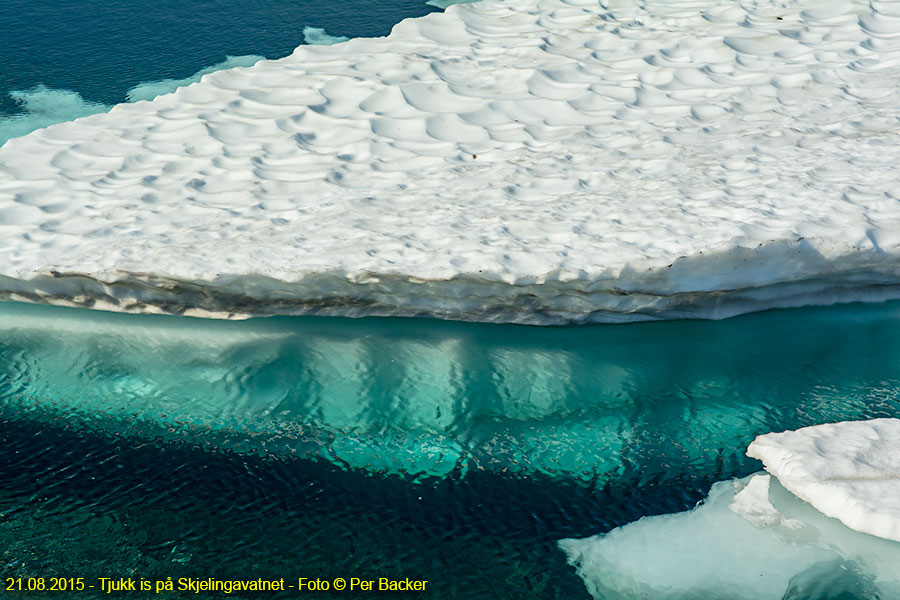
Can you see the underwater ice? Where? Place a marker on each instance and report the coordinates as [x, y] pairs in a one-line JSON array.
[[360, 395], [633, 404], [442, 4], [749, 540], [537, 161], [150, 90], [317, 36], [43, 106], [753, 538]]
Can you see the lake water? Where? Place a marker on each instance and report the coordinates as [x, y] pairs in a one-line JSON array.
[[154, 446], [161, 446], [64, 59]]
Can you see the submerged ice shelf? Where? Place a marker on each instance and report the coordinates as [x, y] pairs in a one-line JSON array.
[[629, 405], [524, 160], [758, 538], [749, 540], [42, 106]]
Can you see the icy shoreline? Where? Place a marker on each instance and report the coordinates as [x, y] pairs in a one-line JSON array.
[[526, 161]]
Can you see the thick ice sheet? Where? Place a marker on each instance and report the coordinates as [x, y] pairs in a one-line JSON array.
[[750, 539], [522, 160], [849, 471]]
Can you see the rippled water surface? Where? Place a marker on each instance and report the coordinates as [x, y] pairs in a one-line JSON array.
[[150, 446], [460, 453]]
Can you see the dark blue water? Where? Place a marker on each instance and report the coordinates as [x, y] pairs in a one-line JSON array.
[[123, 450], [102, 48], [67, 59]]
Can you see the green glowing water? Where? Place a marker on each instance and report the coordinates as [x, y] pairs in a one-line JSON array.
[[428, 398], [453, 450]]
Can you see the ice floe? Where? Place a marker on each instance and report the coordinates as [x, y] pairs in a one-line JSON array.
[[749, 540], [521, 160], [802, 535], [849, 471]]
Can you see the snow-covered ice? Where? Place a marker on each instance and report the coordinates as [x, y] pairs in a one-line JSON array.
[[849, 471], [508, 160]]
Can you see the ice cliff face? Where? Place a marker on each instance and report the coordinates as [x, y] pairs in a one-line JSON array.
[[531, 160]]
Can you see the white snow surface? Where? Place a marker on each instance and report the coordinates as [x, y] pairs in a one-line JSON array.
[[849, 471], [508, 160]]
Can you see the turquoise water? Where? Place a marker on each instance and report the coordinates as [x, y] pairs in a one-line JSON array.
[[455, 452], [152, 446]]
